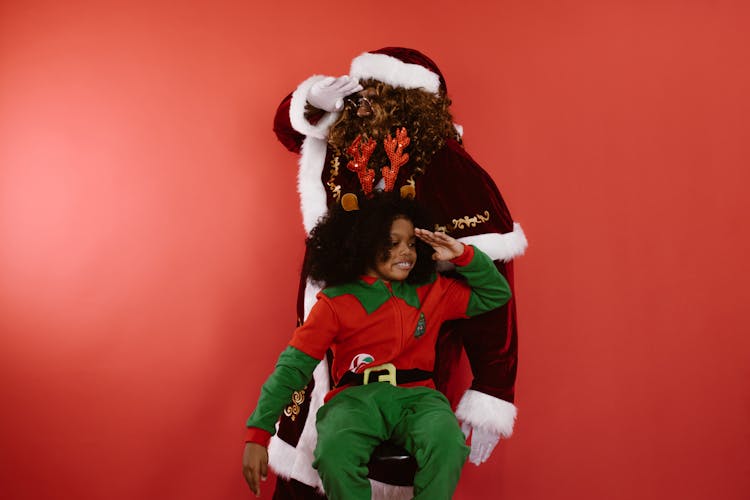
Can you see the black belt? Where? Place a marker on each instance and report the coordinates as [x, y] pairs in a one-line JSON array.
[[402, 376]]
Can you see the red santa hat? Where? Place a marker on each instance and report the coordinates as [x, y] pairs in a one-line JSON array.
[[399, 67]]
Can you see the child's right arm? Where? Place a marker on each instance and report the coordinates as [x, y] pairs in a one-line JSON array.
[[293, 371]]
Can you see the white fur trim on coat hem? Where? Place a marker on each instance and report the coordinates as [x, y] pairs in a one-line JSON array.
[[482, 410], [297, 112], [394, 72], [284, 458], [296, 462], [383, 491], [292, 462]]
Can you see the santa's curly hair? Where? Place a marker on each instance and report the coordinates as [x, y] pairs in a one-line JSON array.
[[425, 116]]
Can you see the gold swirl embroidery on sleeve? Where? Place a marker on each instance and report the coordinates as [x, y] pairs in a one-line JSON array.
[[464, 222], [335, 188], [291, 411]]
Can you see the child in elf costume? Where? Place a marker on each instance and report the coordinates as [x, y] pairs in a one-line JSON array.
[[380, 313], [388, 122]]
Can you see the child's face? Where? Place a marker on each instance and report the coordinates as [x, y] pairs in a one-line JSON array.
[[401, 255]]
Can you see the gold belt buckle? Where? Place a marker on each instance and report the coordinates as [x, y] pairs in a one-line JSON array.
[[386, 377]]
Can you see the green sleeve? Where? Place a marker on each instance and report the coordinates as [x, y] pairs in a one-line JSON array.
[[489, 288], [293, 371]]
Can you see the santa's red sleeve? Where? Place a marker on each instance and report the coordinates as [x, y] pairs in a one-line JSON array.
[[465, 202]]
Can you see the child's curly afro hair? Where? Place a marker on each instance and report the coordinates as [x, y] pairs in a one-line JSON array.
[[343, 245]]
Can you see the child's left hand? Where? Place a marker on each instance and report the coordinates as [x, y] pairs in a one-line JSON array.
[[446, 247]]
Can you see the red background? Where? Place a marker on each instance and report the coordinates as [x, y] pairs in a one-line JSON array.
[[150, 236]]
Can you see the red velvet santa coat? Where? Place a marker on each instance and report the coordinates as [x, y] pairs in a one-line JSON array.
[[467, 204]]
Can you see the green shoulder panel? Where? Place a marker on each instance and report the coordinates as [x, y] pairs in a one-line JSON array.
[[370, 296], [373, 296]]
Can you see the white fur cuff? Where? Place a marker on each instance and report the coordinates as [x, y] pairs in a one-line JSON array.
[[482, 410], [505, 246], [297, 112]]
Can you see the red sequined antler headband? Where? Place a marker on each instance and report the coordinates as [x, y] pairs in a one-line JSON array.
[[361, 153]]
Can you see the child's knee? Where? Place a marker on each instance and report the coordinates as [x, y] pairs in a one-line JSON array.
[[450, 447], [327, 452], [323, 462], [336, 452]]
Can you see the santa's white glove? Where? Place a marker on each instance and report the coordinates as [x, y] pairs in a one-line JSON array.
[[328, 94], [483, 441]]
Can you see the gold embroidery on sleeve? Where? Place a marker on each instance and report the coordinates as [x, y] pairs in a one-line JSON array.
[[464, 222], [292, 410]]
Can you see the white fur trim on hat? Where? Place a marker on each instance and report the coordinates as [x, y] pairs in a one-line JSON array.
[[394, 72], [482, 410], [297, 112], [500, 246]]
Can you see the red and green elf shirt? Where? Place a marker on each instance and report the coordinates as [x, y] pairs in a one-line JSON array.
[[371, 322]]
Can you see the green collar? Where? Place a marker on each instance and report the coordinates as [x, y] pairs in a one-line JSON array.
[[374, 295]]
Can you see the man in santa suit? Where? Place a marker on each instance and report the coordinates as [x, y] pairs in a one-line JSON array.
[[400, 93]]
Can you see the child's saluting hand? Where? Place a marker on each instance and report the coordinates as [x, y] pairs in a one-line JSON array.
[[446, 247]]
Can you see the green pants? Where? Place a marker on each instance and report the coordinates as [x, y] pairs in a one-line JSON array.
[[359, 418]]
